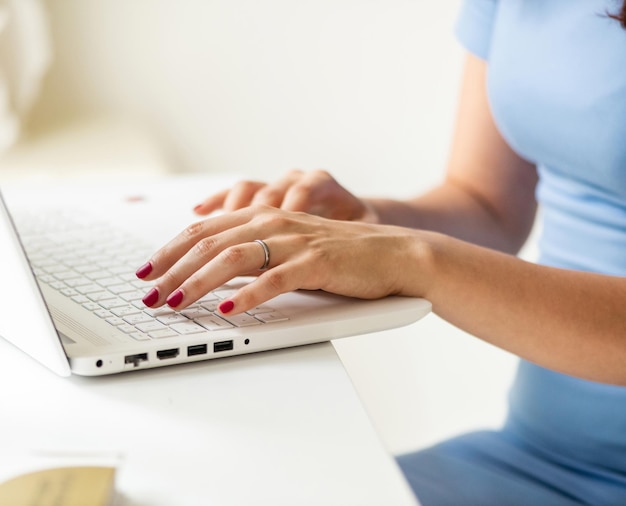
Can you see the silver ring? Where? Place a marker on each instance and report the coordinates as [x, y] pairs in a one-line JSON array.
[[266, 250]]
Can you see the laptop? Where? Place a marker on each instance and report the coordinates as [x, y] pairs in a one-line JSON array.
[[71, 301]]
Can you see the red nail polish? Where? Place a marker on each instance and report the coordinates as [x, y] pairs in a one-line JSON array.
[[226, 306], [151, 297], [175, 298], [144, 270]]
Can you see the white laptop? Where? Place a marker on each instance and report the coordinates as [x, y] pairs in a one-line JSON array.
[[70, 298]]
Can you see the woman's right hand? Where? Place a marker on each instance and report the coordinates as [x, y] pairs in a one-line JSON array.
[[286, 251], [315, 192]]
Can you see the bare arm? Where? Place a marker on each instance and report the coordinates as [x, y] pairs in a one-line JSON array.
[[569, 321], [487, 196], [572, 322]]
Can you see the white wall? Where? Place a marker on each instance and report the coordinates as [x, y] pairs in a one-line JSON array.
[[364, 88]]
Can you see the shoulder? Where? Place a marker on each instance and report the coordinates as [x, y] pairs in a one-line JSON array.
[[474, 25]]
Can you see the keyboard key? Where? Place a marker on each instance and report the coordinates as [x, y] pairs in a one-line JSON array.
[[102, 313], [132, 295], [68, 276], [109, 281], [139, 336], [274, 316], [187, 328], [171, 318], [111, 303], [73, 282], [208, 298], [151, 326], [119, 269], [210, 306], [157, 311], [160, 334], [242, 320], [69, 292], [115, 321], [213, 322], [55, 268], [125, 310], [89, 288], [117, 289], [82, 268], [100, 296], [134, 319], [46, 278], [97, 275], [260, 309], [195, 312], [225, 293]]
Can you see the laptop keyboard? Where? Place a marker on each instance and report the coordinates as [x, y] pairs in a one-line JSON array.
[[93, 265]]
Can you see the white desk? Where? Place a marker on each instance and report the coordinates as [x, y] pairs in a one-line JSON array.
[[273, 428]]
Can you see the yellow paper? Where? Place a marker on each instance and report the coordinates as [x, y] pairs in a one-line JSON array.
[[67, 486]]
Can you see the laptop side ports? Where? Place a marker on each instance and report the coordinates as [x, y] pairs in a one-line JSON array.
[[136, 359], [165, 354], [198, 349], [223, 346]]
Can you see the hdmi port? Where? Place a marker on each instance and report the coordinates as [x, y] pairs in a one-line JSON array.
[[171, 353]]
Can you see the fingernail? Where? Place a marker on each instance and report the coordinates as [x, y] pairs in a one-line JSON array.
[[144, 270], [175, 298], [197, 208], [151, 297], [226, 306]]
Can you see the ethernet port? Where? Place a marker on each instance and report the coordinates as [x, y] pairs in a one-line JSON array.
[[136, 359]]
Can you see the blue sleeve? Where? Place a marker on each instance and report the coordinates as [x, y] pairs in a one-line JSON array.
[[474, 26]]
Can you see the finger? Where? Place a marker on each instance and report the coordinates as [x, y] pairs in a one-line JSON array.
[[274, 193], [236, 260], [212, 203], [308, 193], [281, 279], [163, 259], [241, 195], [320, 194]]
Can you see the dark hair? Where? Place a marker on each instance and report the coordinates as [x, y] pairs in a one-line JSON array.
[[621, 15]]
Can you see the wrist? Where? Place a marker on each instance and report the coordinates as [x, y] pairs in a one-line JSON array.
[[418, 259]]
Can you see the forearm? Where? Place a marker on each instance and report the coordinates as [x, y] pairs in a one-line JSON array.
[[450, 210], [488, 194], [568, 321]]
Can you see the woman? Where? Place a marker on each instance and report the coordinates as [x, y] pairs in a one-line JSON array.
[[542, 119]]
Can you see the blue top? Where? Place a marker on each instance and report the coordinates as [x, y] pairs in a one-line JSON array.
[[557, 90]]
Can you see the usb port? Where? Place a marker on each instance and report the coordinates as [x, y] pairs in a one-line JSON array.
[[223, 346], [171, 353], [136, 359], [198, 349]]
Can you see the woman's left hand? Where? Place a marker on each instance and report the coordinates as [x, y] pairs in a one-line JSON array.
[[305, 251]]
